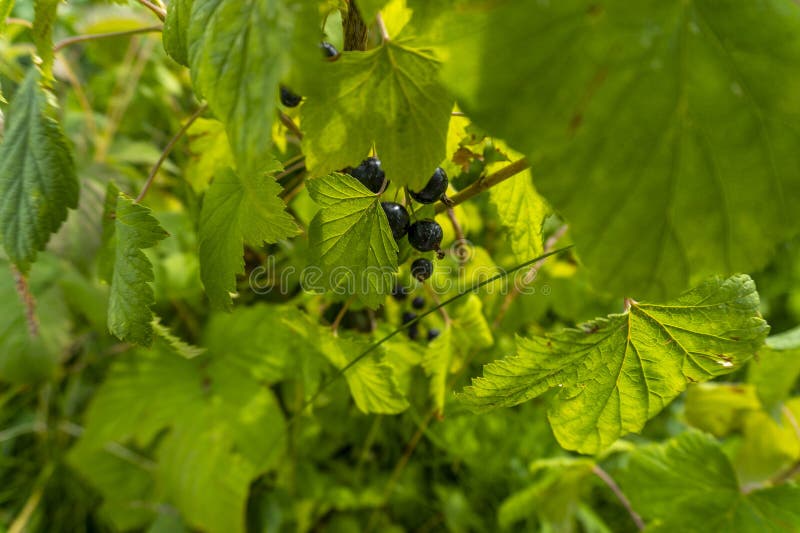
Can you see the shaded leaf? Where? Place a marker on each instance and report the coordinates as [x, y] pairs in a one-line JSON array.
[[37, 175]]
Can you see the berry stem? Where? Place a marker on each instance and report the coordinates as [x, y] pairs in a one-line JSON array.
[[382, 28], [287, 121], [168, 149], [340, 316], [94, 36], [159, 12], [485, 183], [608, 480]]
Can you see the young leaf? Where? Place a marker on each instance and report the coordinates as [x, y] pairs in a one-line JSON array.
[[660, 130], [372, 383], [689, 485], [131, 296], [37, 175], [436, 362], [351, 240], [616, 373], [176, 27], [389, 97], [239, 52], [43, 20], [237, 210], [521, 211]]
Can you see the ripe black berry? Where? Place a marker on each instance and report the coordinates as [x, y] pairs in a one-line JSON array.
[[413, 332], [422, 269], [433, 190], [398, 219], [328, 49], [370, 173], [399, 293], [433, 333], [425, 235], [408, 316], [418, 302], [289, 98]]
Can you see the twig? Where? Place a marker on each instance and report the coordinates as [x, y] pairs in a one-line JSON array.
[[484, 183], [354, 29], [168, 149], [159, 12], [27, 299], [94, 36], [382, 28], [287, 121], [80, 94], [340, 316], [530, 275], [608, 480], [19, 22], [460, 238], [293, 168]]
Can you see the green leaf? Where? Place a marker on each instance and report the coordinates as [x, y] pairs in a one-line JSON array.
[[436, 362], [371, 381], [369, 8], [719, 408], [239, 52], [777, 368], [660, 130], [131, 296], [351, 240], [176, 27], [238, 210], [44, 18], [554, 497], [521, 211], [688, 485], [37, 175], [614, 374], [224, 429], [177, 345], [27, 358], [388, 97], [210, 153], [5, 11]]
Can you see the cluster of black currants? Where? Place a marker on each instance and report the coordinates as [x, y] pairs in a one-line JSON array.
[[418, 303], [423, 235], [291, 99]]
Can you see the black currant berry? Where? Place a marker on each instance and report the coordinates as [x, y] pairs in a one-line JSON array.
[[425, 235], [398, 219], [370, 173], [418, 302], [408, 316], [433, 190], [328, 49], [400, 293], [422, 269], [433, 333], [413, 332], [289, 98]]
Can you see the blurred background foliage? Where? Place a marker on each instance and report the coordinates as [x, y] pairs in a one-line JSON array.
[[96, 435]]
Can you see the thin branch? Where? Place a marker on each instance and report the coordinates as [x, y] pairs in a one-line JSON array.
[[461, 252], [339, 316], [27, 299], [19, 22], [170, 145], [299, 165], [382, 27], [551, 243], [608, 480], [287, 121], [94, 36], [484, 183], [159, 12]]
